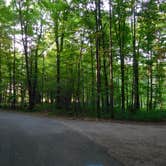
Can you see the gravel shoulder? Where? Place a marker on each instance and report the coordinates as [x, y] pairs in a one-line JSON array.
[[131, 144]]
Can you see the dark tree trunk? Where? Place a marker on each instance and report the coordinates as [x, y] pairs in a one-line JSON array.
[[78, 92], [151, 82], [122, 77], [35, 94], [59, 48], [136, 104], [43, 79], [24, 32], [0, 77], [93, 79], [14, 76], [105, 98], [111, 62], [58, 75], [98, 23], [106, 82]]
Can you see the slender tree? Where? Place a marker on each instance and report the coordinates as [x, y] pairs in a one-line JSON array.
[[111, 62], [98, 76], [136, 104]]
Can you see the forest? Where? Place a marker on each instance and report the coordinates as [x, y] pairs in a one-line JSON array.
[[83, 57]]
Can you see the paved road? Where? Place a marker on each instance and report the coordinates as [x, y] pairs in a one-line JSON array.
[[35, 141]]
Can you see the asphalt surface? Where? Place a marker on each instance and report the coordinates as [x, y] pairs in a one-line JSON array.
[[27, 140]]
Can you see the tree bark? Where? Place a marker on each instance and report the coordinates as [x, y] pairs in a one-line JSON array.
[[14, 74], [111, 62], [98, 23], [136, 103]]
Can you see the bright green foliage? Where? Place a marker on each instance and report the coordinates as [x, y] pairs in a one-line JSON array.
[[48, 55]]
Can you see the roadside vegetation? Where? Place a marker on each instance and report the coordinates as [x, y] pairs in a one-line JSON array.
[[88, 58]]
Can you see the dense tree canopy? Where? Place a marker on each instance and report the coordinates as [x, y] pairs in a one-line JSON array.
[[93, 56]]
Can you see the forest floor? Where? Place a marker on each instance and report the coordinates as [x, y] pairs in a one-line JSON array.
[[131, 143]]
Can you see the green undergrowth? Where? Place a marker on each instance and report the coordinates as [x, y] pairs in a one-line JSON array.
[[154, 116], [142, 115], [151, 116]]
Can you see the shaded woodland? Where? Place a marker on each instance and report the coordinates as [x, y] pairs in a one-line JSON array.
[[83, 56]]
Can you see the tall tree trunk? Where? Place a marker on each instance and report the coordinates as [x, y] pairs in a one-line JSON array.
[[120, 32], [93, 79], [14, 74], [122, 71], [98, 23], [105, 98], [35, 94], [111, 62], [151, 82], [78, 92], [135, 68], [24, 32], [0, 77], [43, 79], [58, 74], [105, 81], [147, 96], [59, 48]]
